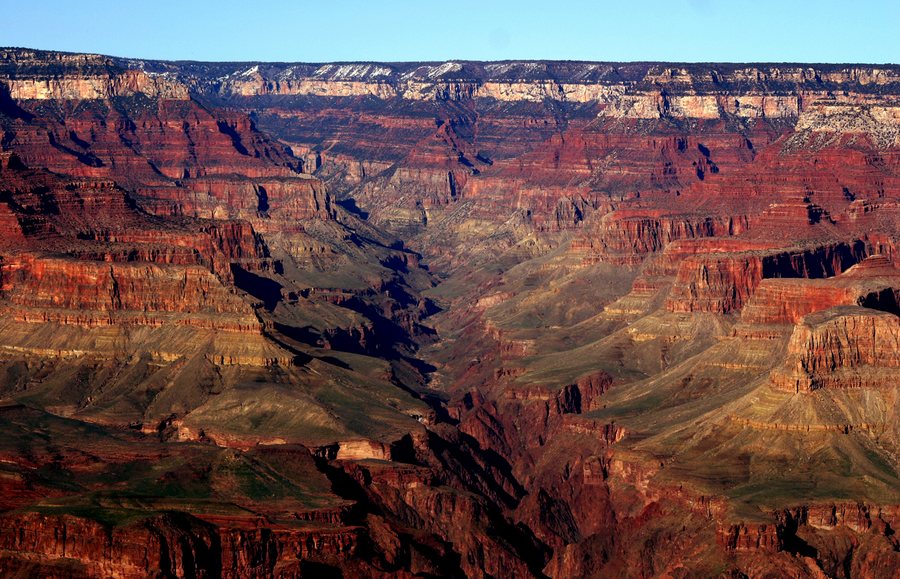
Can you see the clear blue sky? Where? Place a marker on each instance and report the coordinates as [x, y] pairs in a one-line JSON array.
[[393, 30]]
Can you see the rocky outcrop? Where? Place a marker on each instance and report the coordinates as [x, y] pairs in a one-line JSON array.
[[724, 282], [174, 544], [41, 75], [90, 293], [763, 537], [860, 517], [78, 87], [626, 236], [873, 282], [286, 199], [843, 347]]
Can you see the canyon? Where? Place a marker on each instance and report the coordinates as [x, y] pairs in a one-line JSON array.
[[461, 319]]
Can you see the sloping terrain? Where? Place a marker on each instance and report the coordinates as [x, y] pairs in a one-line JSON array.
[[448, 319]]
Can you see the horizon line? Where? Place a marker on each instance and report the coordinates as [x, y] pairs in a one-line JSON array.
[[459, 60]]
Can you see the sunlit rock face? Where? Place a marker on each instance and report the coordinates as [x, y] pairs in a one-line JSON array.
[[448, 319]]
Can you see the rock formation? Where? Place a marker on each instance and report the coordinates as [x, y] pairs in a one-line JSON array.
[[544, 319]]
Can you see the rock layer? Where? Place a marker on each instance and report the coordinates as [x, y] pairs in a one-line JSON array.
[[843, 347]]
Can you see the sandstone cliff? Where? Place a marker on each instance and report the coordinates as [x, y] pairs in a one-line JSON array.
[[843, 347]]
